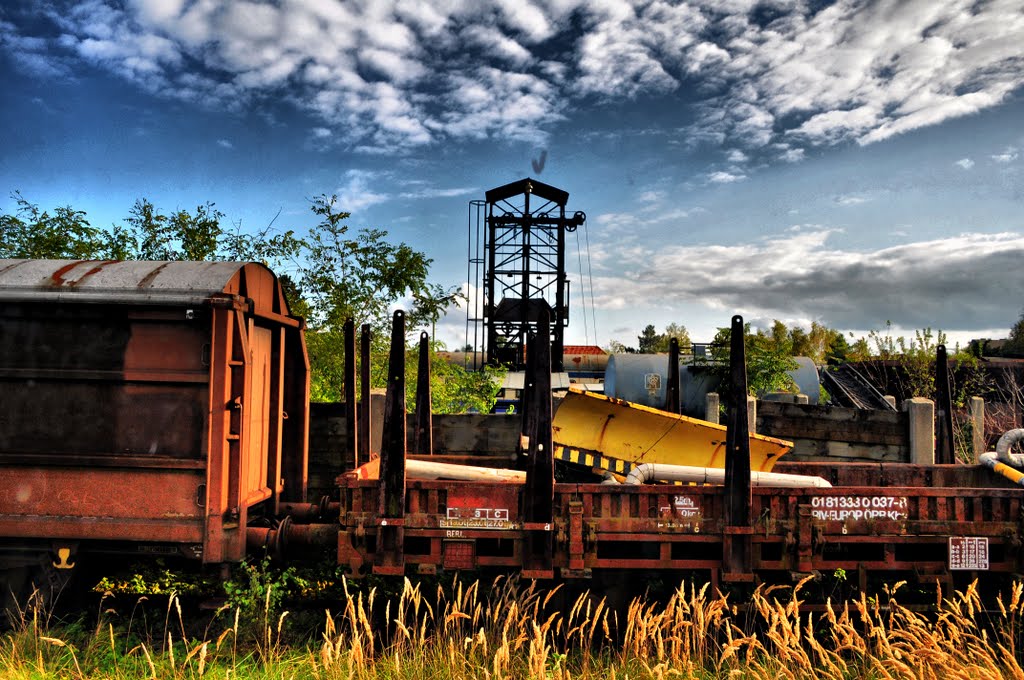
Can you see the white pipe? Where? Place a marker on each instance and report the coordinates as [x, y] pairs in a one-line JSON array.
[[645, 472], [424, 469], [1009, 438]]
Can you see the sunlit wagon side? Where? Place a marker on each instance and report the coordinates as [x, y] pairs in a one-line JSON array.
[[145, 407], [892, 521]]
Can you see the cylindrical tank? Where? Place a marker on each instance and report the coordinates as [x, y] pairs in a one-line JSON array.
[[639, 378], [643, 379], [806, 378]]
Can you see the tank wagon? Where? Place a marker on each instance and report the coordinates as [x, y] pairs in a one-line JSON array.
[[145, 407], [163, 407]]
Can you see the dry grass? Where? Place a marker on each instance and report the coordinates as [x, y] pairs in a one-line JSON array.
[[514, 630]]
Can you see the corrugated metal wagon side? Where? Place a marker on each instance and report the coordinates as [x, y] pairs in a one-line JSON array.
[[146, 407]]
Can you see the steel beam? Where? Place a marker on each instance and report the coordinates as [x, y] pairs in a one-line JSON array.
[[423, 438]]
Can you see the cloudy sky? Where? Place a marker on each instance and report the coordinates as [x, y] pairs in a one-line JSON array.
[[851, 163]]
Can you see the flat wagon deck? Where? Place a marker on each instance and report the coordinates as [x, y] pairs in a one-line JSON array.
[[917, 520], [890, 520]]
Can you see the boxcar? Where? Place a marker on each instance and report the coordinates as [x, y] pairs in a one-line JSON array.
[[150, 407]]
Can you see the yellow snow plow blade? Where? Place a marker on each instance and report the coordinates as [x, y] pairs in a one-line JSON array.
[[613, 434]]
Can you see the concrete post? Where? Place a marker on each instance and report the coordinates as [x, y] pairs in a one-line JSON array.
[[977, 407], [922, 430], [752, 414], [711, 407], [889, 399], [802, 399]]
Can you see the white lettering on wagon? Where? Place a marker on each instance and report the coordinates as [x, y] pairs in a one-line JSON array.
[[842, 508], [477, 518], [685, 507]]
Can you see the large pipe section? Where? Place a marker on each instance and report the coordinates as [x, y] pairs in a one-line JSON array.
[[648, 472], [991, 460], [1009, 438]]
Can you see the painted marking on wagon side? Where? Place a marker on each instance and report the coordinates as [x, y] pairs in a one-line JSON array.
[[685, 507], [841, 508], [477, 518], [968, 552]]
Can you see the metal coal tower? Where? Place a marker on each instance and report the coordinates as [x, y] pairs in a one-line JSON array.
[[523, 263]]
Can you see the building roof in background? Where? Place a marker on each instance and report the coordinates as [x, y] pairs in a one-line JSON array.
[[582, 349]]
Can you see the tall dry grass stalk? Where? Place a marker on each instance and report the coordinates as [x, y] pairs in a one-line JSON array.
[[511, 629]]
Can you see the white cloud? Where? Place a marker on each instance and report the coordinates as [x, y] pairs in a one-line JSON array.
[[965, 163], [722, 177], [491, 102], [854, 71], [439, 193], [225, 143], [792, 155], [358, 191], [389, 74], [1007, 156], [502, 45], [852, 199]]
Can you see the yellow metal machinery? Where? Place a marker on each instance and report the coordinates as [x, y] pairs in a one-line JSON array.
[[613, 434]]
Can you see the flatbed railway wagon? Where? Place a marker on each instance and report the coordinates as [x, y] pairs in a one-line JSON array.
[[872, 522], [145, 408], [891, 521]]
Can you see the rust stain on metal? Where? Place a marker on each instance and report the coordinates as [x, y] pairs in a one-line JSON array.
[[604, 429], [148, 278], [12, 265], [58, 276], [95, 270]]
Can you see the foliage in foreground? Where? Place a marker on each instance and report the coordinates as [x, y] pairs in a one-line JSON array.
[[512, 631]]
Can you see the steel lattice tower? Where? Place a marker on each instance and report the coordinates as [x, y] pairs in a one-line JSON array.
[[526, 224]]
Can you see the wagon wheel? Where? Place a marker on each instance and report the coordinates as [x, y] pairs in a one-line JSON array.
[[32, 585]]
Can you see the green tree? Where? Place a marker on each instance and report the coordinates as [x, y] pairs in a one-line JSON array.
[[860, 350], [648, 340], [454, 389], [151, 235], [677, 331], [800, 343], [1015, 343], [32, 233], [616, 347], [837, 349], [652, 342], [768, 361], [358, 276]]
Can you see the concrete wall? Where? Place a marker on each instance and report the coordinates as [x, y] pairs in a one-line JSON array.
[[827, 433]]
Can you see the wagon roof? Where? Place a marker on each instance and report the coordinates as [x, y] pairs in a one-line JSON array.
[[113, 281]]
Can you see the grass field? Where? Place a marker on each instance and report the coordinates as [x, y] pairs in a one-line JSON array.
[[508, 629]]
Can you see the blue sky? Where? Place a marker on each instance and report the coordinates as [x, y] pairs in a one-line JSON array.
[[849, 163]]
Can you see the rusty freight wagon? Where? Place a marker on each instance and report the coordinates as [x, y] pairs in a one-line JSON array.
[[150, 407], [871, 522]]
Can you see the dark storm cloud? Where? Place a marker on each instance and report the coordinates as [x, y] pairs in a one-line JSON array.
[[958, 283]]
